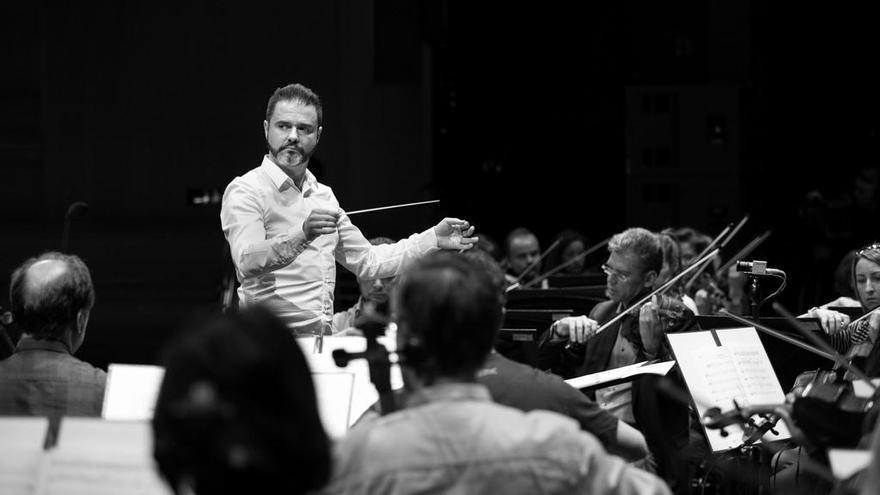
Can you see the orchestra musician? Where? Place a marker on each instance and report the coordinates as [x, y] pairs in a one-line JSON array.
[[571, 244], [286, 230], [572, 347], [523, 257]]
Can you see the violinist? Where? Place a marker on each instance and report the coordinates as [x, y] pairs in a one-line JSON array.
[[572, 347], [571, 244], [859, 339], [523, 257], [286, 230]]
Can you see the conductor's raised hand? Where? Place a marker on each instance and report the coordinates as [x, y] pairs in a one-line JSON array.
[[453, 233], [577, 329], [320, 222]]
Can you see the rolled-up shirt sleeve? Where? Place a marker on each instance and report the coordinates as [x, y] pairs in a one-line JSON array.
[[242, 219], [370, 262]]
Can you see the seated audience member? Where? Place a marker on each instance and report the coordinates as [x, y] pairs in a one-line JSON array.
[[451, 437], [374, 297], [236, 411], [51, 296], [523, 254], [571, 244], [525, 388]]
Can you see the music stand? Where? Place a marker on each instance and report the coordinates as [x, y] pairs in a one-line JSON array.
[[579, 299], [581, 280]]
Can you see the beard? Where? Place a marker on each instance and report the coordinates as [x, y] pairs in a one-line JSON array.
[[282, 155]]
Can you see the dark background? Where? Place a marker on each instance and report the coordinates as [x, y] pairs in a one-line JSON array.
[[596, 117]]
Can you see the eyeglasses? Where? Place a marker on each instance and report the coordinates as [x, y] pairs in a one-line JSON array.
[[611, 272]]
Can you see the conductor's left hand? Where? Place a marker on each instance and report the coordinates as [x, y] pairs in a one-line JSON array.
[[453, 233]]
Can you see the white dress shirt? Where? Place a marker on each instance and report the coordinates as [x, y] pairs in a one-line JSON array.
[[262, 217]]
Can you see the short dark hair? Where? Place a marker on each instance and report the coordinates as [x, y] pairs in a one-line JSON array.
[[565, 238], [378, 241], [485, 262], [295, 92], [47, 312], [643, 243], [452, 312], [517, 232], [236, 411]]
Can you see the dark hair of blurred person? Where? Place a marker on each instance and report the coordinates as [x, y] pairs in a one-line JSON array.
[[448, 314], [488, 244], [691, 241], [51, 297], [236, 411], [571, 244]]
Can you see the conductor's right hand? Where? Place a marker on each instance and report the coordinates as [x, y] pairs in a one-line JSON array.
[[320, 222], [577, 329]]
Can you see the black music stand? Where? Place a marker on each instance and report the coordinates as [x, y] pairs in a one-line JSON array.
[[579, 299]]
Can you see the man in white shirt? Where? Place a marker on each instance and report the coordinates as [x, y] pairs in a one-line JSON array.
[[286, 230]]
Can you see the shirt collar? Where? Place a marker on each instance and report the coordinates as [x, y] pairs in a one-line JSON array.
[[31, 344], [281, 180], [449, 392]]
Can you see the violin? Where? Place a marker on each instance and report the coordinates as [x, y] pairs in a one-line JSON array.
[[821, 410]]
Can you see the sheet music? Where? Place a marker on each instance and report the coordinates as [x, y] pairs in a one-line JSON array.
[[334, 392], [722, 385], [622, 373], [753, 367], [738, 370], [22, 452], [132, 390], [98, 457]]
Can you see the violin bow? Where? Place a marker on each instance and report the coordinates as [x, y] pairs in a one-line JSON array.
[[751, 246], [711, 245], [838, 358], [535, 263], [659, 290], [563, 266]]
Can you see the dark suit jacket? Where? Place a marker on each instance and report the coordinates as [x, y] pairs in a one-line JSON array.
[[43, 378], [663, 421]]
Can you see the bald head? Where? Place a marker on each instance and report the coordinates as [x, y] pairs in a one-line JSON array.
[[51, 295]]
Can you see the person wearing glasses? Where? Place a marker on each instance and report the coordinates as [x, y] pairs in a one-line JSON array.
[[573, 347]]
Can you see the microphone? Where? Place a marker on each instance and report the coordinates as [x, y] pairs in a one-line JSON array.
[[77, 209], [758, 268]]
